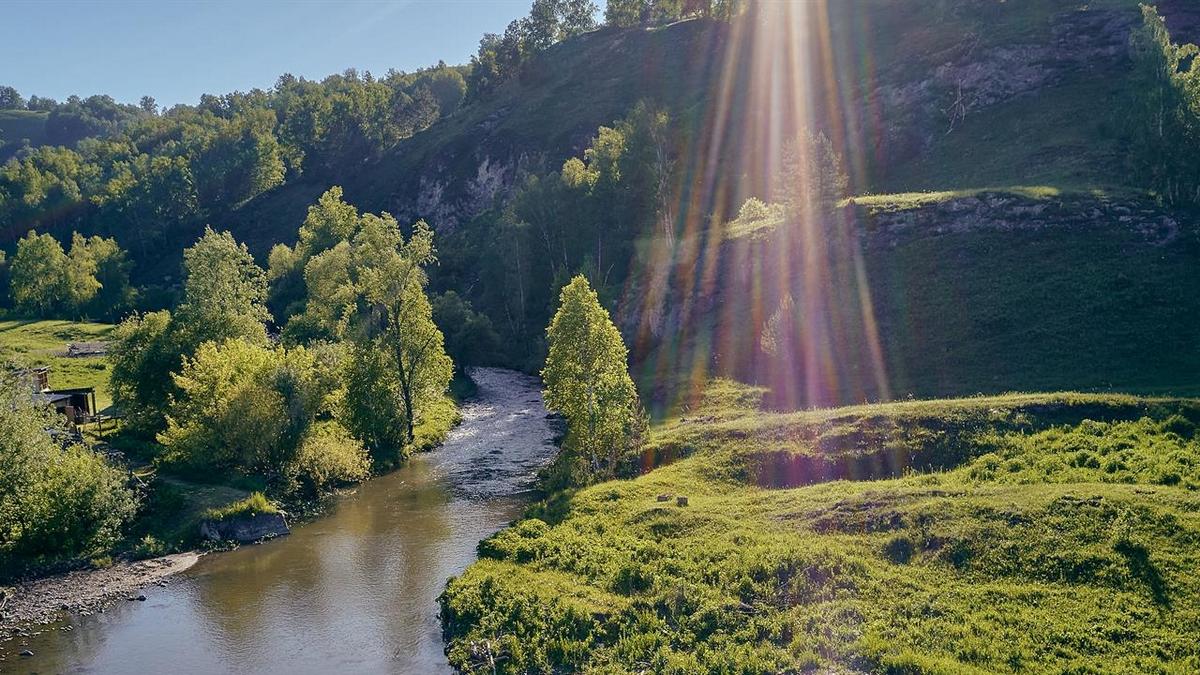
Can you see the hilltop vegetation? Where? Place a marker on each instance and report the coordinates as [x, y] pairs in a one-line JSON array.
[[1034, 533]]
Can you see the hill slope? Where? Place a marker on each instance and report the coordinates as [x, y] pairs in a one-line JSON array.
[[1037, 534]]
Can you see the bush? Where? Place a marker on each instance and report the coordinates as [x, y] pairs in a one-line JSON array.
[[55, 502], [330, 456], [256, 503]]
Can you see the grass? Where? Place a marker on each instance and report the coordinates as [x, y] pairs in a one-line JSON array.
[[45, 343], [254, 504], [1059, 537], [1054, 138]]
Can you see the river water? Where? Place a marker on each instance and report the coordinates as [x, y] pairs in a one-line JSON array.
[[352, 592]]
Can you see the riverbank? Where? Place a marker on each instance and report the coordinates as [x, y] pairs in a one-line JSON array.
[[368, 571], [29, 605]]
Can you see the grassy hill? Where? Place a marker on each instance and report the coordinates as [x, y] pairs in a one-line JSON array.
[[35, 343], [1020, 533]]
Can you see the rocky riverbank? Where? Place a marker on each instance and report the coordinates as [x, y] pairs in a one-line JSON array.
[[27, 607]]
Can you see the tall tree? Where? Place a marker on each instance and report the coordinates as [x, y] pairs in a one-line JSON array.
[[39, 281], [587, 380], [224, 292]]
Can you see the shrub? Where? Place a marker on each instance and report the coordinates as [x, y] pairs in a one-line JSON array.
[[55, 502], [256, 503], [330, 456]]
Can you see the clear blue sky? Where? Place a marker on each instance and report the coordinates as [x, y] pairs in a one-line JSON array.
[[175, 50]]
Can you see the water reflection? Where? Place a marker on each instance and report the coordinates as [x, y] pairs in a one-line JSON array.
[[353, 592]]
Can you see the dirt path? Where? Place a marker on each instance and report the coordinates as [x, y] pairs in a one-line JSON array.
[[31, 604]]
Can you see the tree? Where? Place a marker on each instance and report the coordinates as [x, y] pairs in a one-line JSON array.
[[10, 98], [55, 500], [224, 292], [39, 281], [1164, 112], [366, 283], [587, 381], [394, 312], [811, 178], [109, 267], [144, 351]]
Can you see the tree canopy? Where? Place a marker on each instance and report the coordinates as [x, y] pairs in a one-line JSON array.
[[587, 381]]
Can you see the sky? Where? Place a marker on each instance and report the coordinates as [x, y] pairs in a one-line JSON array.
[[175, 50]]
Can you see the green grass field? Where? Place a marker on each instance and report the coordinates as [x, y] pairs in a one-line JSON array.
[[34, 343], [1019, 533]]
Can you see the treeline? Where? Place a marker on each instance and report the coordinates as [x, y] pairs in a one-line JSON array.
[[1163, 115], [500, 57], [151, 172]]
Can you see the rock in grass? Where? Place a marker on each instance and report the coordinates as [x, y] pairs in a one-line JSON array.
[[681, 500], [664, 497]]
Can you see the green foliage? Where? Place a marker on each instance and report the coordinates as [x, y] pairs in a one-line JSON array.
[[39, 280], [366, 283], [224, 295], [587, 381], [584, 218], [92, 280], [224, 292], [641, 12], [328, 457], [143, 353], [501, 57], [251, 409], [470, 337], [56, 501], [126, 169], [1164, 115], [934, 571], [256, 503]]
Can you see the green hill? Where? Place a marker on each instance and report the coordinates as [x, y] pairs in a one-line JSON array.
[[1024, 533]]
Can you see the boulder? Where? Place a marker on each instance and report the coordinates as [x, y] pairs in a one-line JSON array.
[[245, 529]]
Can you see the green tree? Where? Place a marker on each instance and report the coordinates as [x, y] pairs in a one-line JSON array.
[[143, 353], [56, 501], [224, 292], [10, 98], [587, 381], [245, 407], [811, 178], [109, 266], [394, 313], [1164, 112], [40, 282]]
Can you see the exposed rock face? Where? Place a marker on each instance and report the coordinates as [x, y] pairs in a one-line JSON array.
[[246, 529], [973, 78], [1007, 212]]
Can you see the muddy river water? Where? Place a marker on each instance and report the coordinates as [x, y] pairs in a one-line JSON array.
[[352, 592]]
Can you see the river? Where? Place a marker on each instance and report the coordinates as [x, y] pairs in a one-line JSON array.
[[355, 590]]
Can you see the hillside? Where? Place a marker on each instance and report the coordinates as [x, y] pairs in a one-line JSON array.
[[1070, 282], [1035, 533], [19, 125]]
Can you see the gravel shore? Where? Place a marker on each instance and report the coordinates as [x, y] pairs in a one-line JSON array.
[[27, 606]]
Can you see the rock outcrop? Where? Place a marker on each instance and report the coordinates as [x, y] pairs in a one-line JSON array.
[[245, 529]]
